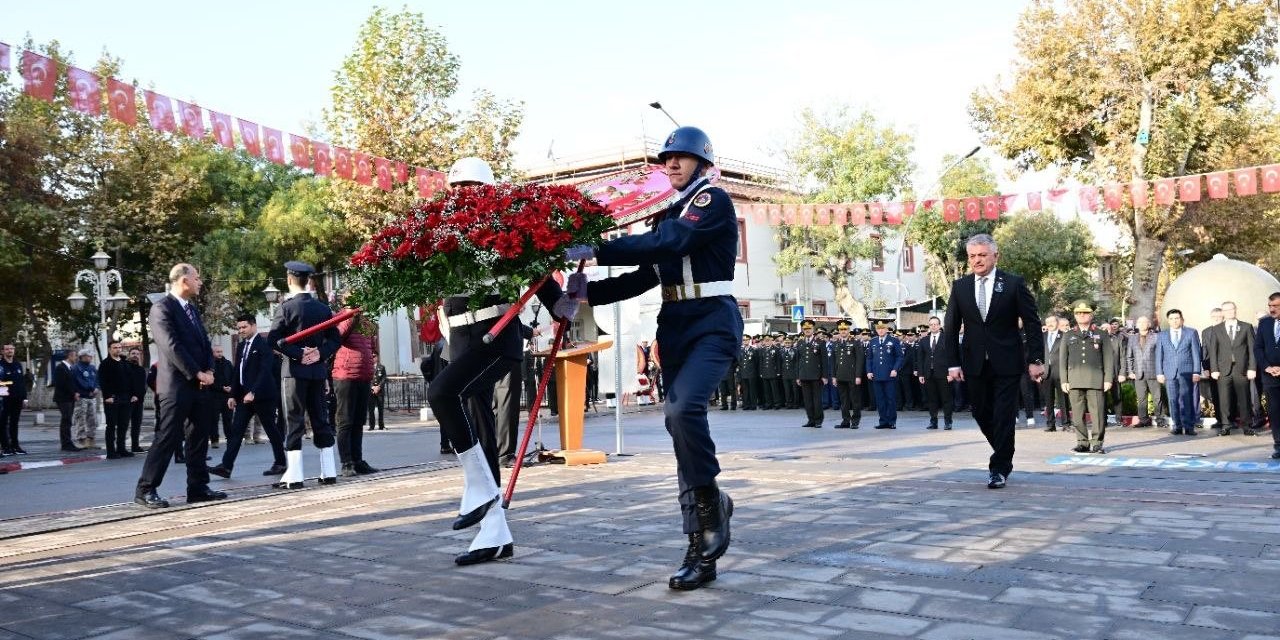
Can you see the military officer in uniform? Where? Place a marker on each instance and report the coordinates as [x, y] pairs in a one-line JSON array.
[[305, 374], [811, 360], [884, 359], [790, 373], [729, 388], [770, 374], [1086, 365], [691, 253], [850, 367], [748, 367], [830, 396]]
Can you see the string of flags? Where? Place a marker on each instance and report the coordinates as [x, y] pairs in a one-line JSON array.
[[85, 92]]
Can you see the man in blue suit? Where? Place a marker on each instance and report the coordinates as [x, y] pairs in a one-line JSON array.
[[1266, 349], [1178, 361]]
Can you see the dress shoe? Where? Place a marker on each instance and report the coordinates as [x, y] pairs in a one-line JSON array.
[[853, 425], [22, 452], [1081, 448], [213, 445], [111, 455], [806, 425], [714, 509], [1192, 432], [151, 500], [1097, 448], [287, 485], [329, 481], [1275, 455], [485, 555], [477, 514], [695, 571], [932, 426], [137, 449], [1051, 428], [883, 426], [996, 481], [507, 461], [947, 427], [220, 471], [1176, 432], [1247, 431], [206, 495], [842, 425], [1225, 432], [70, 448], [125, 453], [348, 470], [275, 470], [364, 468], [445, 450], [817, 425]]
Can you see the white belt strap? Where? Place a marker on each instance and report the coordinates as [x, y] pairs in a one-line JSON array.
[[472, 317], [677, 292]]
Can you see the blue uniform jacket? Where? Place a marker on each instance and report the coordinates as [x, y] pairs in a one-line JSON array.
[[884, 355]]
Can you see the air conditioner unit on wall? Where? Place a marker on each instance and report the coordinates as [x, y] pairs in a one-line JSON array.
[[780, 297]]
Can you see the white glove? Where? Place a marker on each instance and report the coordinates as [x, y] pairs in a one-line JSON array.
[[579, 252], [566, 308], [576, 286]]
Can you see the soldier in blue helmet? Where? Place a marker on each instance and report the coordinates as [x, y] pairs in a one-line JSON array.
[[690, 253]]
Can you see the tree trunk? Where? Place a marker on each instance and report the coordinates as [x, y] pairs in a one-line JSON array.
[[852, 307], [1148, 260]]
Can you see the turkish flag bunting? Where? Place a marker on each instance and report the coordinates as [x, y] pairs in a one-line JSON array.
[[951, 210], [1113, 196], [84, 91], [1189, 189], [1165, 190], [249, 137], [1057, 195], [299, 151], [823, 216], [1089, 198], [364, 167], [991, 207], [893, 213], [1271, 178], [4, 57], [1033, 201], [775, 214], [222, 130], [759, 214], [857, 214], [1246, 181], [972, 209], [876, 212], [39, 75], [1006, 202], [908, 208], [1138, 193], [342, 165], [273, 140], [382, 167], [121, 102], [1217, 185], [806, 215], [789, 213], [402, 172], [192, 119], [323, 163], [927, 204], [160, 111], [429, 182]]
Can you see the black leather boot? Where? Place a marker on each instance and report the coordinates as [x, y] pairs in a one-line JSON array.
[[485, 555], [695, 571], [713, 508], [474, 517]]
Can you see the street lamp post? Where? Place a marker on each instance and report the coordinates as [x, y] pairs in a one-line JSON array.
[[100, 278]]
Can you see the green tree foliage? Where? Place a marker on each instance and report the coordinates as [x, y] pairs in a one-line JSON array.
[[944, 241], [844, 157], [1056, 258], [1117, 90]]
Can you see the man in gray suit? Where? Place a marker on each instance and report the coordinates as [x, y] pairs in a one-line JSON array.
[[1051, 385], [1232, 365], [1140, 369]]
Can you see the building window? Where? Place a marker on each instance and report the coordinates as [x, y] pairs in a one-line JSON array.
[[742, 240], [908, 259], [819, 307], [744, 307], [877, 260]]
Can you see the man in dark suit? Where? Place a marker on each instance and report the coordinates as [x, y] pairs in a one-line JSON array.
[[988, 304], [254, 392], [184, 365], [113, 379], [933, 375], [305, 375], [221, 390], [1051, 384], [1178, 362], [1266, 350], [64, 395], [1232, 365]]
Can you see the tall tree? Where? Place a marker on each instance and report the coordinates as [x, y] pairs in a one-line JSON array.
[[844, 157], [1054, 256], [1121, 90], [392, 97]]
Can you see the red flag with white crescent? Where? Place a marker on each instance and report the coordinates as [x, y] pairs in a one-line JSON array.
[[1006, 202], [1056, 196], [39, 75], [1089, 198], [1189, 188], [4, 57], [805, 218], [857, 213], [1138, 193], [401, 172], [1271, 178], [759, 214], [250, 137], [121, 102], [364, 167], [893, 213], [875, 213], [273, 144], [789, 213], [343, 167], [1166, 189], [299, 151], [972, 209], [839, 215], [323, 162], [1033, 201], [160, 111], [382, 167], [1246, 181], [428, 183], [192, 119], [84, 91], [823, 216], [908, 208], [927, 204], [951, 210], [1217, 185], [1113, 196], [222, 130], [991, 207]]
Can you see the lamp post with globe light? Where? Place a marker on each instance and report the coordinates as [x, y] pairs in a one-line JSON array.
[[101, 279]]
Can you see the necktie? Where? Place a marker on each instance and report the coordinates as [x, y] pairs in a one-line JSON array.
[[1231, 331], [1276, 326], [933, 342], [191, 314], [244, 355], [982, 297], [1176, 335], [1052, 335]]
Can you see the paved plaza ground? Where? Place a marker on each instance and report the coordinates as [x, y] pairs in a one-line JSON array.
[[837, 534]]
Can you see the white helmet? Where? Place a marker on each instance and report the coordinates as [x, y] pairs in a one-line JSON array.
[[470, 169]]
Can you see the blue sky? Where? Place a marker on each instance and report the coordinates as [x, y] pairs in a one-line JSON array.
[[585, 70]]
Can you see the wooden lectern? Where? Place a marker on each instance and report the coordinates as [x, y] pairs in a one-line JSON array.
[[571, 399]]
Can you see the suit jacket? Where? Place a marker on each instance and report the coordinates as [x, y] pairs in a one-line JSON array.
[[293, 315], [1119, 351], [996, 340], [223, 373], [929, 362], [1051, 354], [1227, 355], [137, 380], [1140, 357], [259, 373], [1183, 358], [64, 383], [13, 373], [113, 379], [1266, 352], [182, 348]]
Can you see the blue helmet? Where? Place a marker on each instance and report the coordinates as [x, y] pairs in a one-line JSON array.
[[690, 140]]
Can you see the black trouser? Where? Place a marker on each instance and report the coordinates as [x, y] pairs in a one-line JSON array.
[[1233, 391], [506, 409], [245, 411], [352, 408], [1089, 401], [183, 419], [728, 393], [772, 393], [1053, 398], [937, 394], [1209, 390], [67, 409], [791, 392], [116, 413], [135, 423], [11, 411], [748, 394], [593, 384], [994, 400], [225, 414], [376, 406], [1142, 387], [461, 396], [304, 398], [1115, 404], [850, 402], [811, 394], [1027, 387], [1272, 394]]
